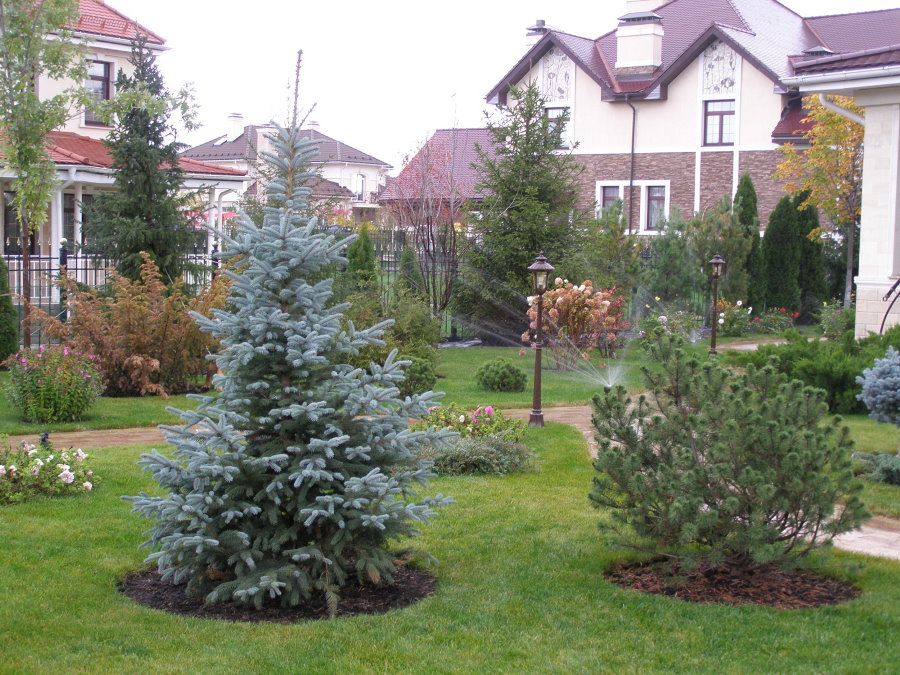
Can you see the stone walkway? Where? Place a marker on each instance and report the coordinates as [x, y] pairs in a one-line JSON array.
[[878, 537]]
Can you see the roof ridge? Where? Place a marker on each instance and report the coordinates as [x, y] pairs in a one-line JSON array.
[[868, 11], [742, 17]]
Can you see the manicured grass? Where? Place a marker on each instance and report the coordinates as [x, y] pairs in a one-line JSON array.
[[520, 589], [876, 437], [456, 369]]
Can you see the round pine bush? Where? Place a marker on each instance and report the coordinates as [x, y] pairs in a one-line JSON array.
[[53, 384], [418, 377], [485, 455], [500, 375]]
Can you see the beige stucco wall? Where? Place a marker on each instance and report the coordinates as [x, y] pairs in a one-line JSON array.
[[118, 56]]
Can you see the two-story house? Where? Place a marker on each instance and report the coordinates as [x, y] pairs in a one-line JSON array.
[[82, 161], [348, 179], [671, 107]]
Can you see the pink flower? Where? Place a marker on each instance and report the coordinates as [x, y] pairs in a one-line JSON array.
[[67, 477], [522, 352], [489, 410]]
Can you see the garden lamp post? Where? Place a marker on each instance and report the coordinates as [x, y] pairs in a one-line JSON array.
[[540, 270], [718, 266]]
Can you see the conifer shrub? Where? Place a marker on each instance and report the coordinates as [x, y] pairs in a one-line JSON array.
[[141, 331], [299, 476], [9, 316], [418, 377], [734, 470], [53, 383], [500, 375], [881, 388], [881, 467], [490, 454]]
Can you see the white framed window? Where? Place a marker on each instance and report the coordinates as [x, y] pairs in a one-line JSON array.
[[99, 87], [651, 207], [553, 117]]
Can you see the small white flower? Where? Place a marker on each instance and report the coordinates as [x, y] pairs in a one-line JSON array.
[[721, 321], [749, 309], [35, 470], [2, 470], [558, 281], [721, 315], [462, 419], [581, 288], [663, 318], [79, 455], [87, 485], [67, 477], [739, 303]]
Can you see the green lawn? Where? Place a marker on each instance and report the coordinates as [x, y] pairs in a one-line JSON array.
[[520, 589]]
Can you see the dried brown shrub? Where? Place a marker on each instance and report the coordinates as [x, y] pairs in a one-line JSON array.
[[142, 333]]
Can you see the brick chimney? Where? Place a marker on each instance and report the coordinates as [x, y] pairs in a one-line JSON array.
[[639, 39]]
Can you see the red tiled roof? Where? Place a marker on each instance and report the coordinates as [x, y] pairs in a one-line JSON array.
[[241, 148], [98, 18], [67, 148], [322, 188], [443, 167], [764, 31]]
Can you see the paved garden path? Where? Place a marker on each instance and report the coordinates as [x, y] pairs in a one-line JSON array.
[[879, 536]]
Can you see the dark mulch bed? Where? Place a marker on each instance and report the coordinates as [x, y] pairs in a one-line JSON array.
[[769, 586], [410, 585]]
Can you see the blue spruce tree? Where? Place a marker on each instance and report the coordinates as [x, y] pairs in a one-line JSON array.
[[299, 474]]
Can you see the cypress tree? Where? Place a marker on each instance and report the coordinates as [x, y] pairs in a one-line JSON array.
[[361, 273], [9, 316], [145, 213], [746, 210], [302, 469], [811, 277], [781, 257]]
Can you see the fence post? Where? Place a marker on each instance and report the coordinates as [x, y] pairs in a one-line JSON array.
[[63, 265]]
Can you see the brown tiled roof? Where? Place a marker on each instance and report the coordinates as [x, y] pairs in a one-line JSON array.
[[868, 58], [241, 148], [322, 188], [445, 162], [67, 148], [98, 18], [764, 31], [793, 125]]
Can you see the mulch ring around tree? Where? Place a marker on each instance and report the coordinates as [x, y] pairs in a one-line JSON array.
[[769, 586], [410, 585]]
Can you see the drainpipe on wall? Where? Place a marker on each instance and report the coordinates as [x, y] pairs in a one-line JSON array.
[[843, 112], [631, 169]]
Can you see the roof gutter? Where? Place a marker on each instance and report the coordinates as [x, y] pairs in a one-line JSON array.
[[813, 81], [840, 110]]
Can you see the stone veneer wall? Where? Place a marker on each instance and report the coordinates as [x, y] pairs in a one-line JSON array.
[[870, 308], [678, 167]]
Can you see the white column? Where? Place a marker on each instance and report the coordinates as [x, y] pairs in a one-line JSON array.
[[879, 245]]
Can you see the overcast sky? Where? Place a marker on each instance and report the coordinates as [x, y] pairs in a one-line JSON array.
[[383, 75]]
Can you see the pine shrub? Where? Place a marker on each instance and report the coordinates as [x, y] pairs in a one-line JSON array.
[[303, 470], [734, 470], [500, 375], [883, 468], [418, 377]]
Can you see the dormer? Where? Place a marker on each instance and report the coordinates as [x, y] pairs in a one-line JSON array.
[[639, 39]]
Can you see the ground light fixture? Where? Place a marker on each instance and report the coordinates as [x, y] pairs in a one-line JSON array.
[[540, 271], [718, 267]]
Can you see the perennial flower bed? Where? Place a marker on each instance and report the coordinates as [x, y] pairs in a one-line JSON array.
[[29, 470]]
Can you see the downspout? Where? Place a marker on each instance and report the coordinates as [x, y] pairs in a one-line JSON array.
[[631, 168], [843, 112]]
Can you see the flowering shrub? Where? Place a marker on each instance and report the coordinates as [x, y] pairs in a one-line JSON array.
[[680, 322], [29, 470], [481, 422], [835, 320], [53, 384], [733, 319], [774, 321], [576, 319]]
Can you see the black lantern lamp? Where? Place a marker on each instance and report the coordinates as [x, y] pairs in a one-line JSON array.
[[718, 267], [540, 270]]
